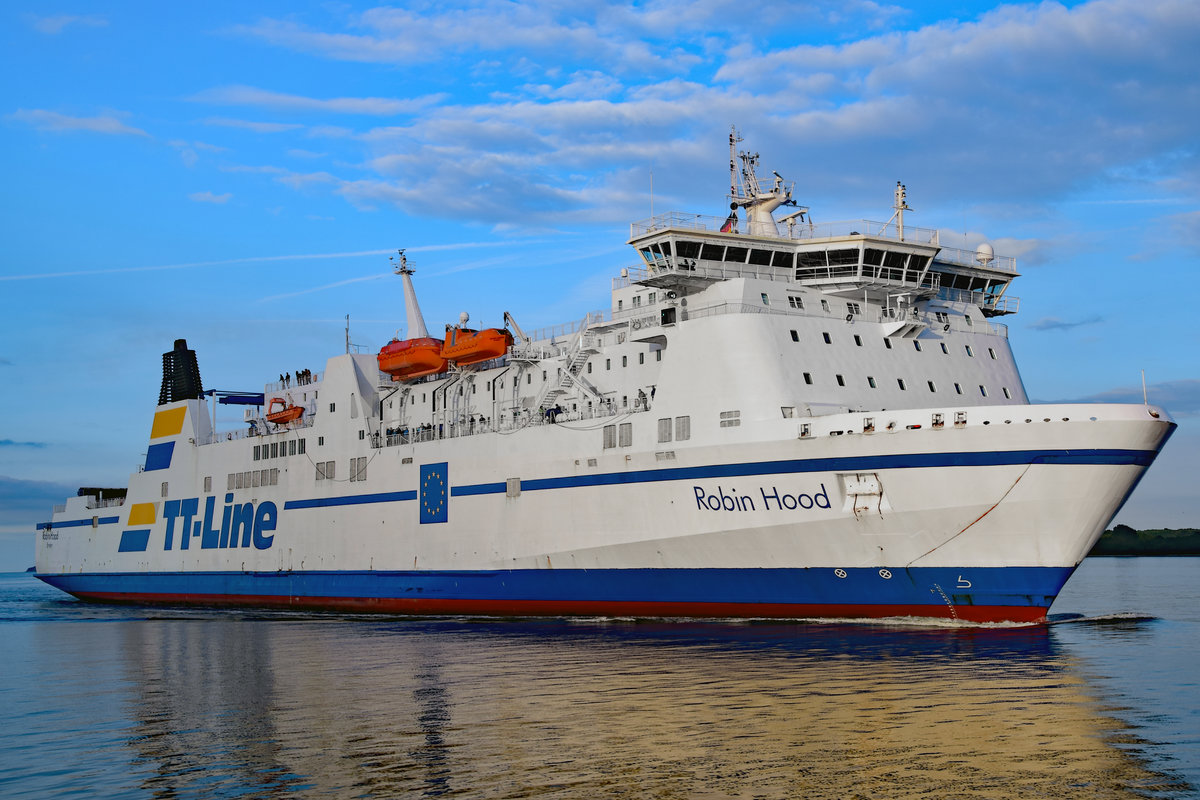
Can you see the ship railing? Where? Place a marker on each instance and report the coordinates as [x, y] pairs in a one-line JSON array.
[[971, 258], [292, 384], [793, 229], [474, 425], [107, 502], [889, 314], [1000, 304]]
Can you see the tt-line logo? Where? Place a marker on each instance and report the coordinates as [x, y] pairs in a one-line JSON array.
[[772, 499], [242, 525]]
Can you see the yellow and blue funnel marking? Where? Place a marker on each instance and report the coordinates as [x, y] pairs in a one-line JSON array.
[[135, 541], [166, 423]]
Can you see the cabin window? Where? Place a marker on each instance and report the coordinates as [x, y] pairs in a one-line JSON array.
[[320, 441], [1007, 396], [853, 308], [650, 298], [969, 353], [620, 304], [827, 338], [164, 489], [941, 317], [230, 487], [957, 389], [300, 447], [528, 380], [610, 436], [358, 469], [795, 302], [808, 378], [992, 353], [982, 390], [858, 340], [259, 478], [761, 258], [932, 387], [589, 368], [353, 407], [608, 363], [900, 381], [887, 343], [637, 300], [332, 406], [362, 435], [624, 361], [825, 305], [658, 355], [256, 453], [766, 300], [683, 428], [795, 336], [871, 382], [664, 430], [625, 434], [641, 358], [731, 419], [208, 479], [945, 349], [274, 449], [917, 345], [840, 380], [292, 447], [967, 317]]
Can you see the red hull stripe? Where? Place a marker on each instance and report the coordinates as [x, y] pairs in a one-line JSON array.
[[569, 608]]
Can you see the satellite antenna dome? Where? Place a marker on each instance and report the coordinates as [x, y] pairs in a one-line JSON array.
[[462, 319], [984, 254]]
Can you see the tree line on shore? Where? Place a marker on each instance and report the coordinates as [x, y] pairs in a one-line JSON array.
[[1123, 540]]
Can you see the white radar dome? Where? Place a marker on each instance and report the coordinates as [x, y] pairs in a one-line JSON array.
[[984, 254]]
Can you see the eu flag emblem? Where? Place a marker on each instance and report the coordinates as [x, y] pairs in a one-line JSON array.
[[435, 490]]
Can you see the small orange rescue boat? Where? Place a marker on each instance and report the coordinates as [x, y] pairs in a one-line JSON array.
[[286, 413], [408, 359], [464, 346]]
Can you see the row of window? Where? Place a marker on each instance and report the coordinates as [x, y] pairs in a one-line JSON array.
[[625, 360], [841, 381], [887, 343], [252, 479], [291, 447]]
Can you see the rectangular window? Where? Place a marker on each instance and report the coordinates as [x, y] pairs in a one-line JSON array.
[[230, 487], [358, 469], [208, 479], [941, 316], [641, 358], [650, 298], [608, 363], [624, 361], [982, 390], [255, 477], [1007, 396], [256, 453], [664, 430], [300, 447], [841, 381], [945, 349], [625, 430], [164, 489], [589, 368], [827, 338], [901, 382], [795, 336], [932, 387], [274, 476], [916, 345], [871, 382], [825, 305], [292, 447], [766, 300], [808, 378], [320, 470], [683, 429], [274, 449], [637, 301], [992, 353], [731, 419], [240, 483], [957, 389], [858, 340], [887, 343], [610, 436], [969, 353], [334, 405], [853, 308], [658, 355], [796, 302]]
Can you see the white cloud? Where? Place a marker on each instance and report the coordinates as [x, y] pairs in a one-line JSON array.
[[55, 24], [257, 127], [261, 98], [53, 121], [209, 197]]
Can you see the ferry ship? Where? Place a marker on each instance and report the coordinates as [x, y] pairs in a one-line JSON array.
[[777, 417]]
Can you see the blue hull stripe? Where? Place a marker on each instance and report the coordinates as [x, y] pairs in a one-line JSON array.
[[915, 586], [351, 500]]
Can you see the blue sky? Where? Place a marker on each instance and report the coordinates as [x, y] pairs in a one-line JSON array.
[[236, 174]]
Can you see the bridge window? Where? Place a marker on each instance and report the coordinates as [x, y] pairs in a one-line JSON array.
[[783, 259], [713, 252], [761, 258], [736, 255], [687, 249]]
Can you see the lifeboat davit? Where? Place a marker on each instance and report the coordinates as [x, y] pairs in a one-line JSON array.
[[286, 413], [407, 359], [464, 346]]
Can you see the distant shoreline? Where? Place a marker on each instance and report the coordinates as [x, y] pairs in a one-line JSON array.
[[1126, 541]]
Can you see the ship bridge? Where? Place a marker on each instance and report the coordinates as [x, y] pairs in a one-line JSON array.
[[858, 259]]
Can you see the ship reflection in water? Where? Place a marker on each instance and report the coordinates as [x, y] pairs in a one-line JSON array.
[[272, 705]]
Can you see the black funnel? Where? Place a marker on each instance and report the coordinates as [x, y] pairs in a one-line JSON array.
[[181, 375]]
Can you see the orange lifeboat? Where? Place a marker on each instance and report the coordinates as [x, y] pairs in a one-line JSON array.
[[286, 413], [407, 359], [464, 346]]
